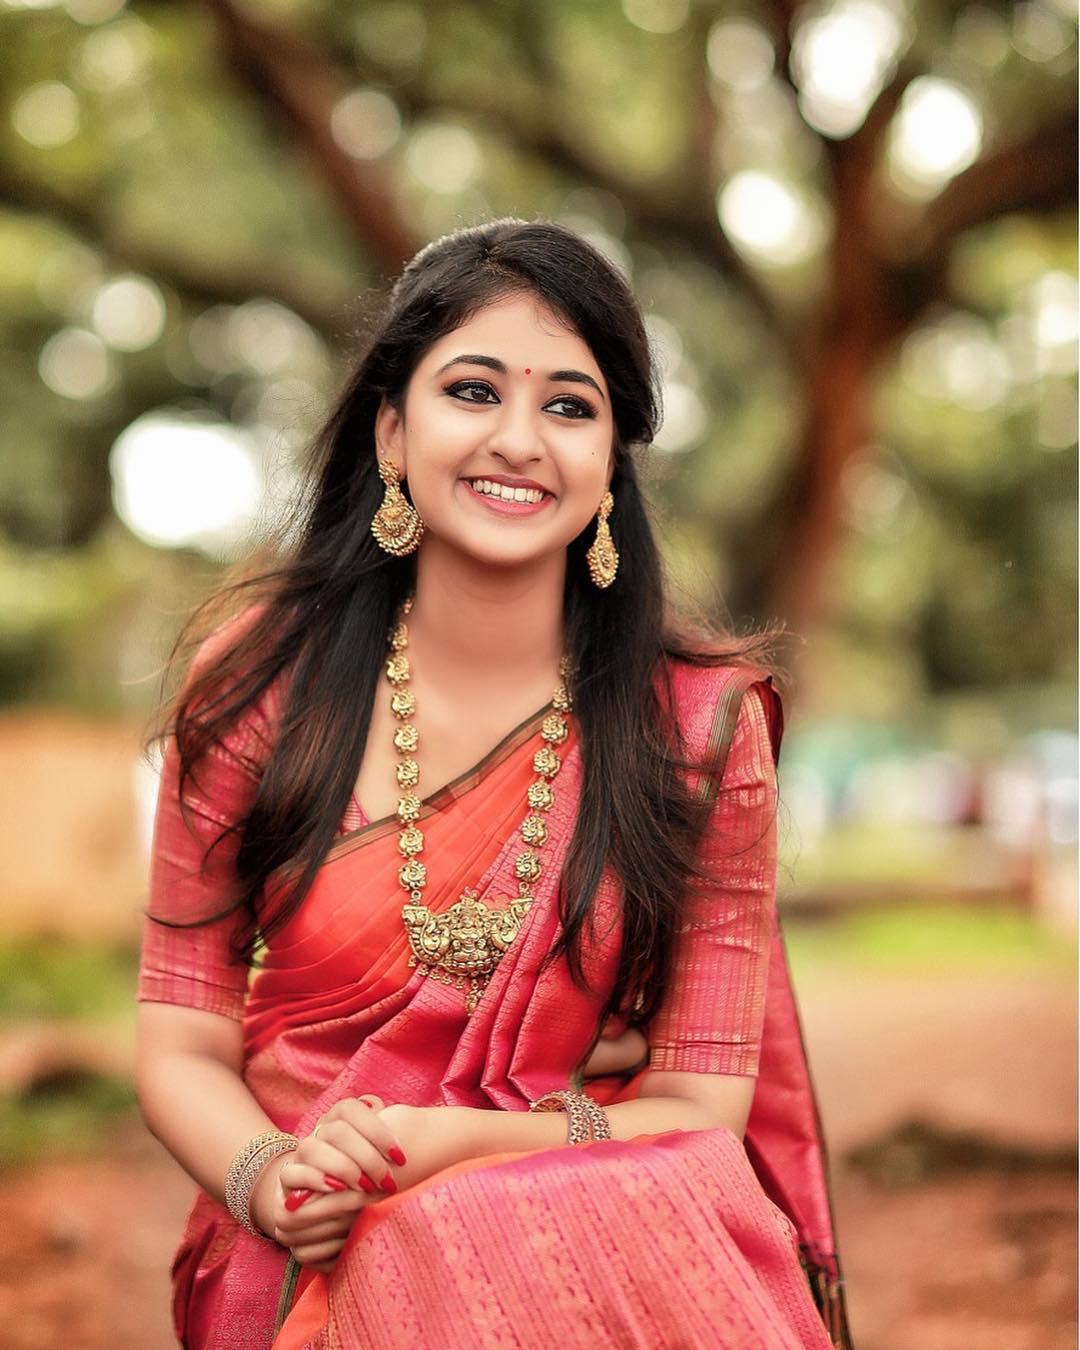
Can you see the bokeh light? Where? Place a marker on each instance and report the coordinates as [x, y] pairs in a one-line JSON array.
[[129, 313], [443, 158], [76, 364], [685, 418], [768, 219], [366, 123], [935, 135], [841, 58], [657, 16], [185, 481], [47, 115], [739, 53]]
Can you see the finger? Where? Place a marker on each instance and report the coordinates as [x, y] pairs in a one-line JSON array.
[[376, 1103], [297, 1176], [372, 1126], [319, 1232], [340, 1152], [344, 1148], [320, 1252], [321, 1210]]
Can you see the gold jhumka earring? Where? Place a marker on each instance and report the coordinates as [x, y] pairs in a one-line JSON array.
[[396, 525], [601, 555]]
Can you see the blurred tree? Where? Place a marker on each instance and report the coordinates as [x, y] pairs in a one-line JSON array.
[[807, 198]]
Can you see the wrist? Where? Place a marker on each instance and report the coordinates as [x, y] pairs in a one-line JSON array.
[[497, 1131], [266, 1193]]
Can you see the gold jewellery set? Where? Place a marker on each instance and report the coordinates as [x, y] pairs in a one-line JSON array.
[[464, 945], [398, 528]]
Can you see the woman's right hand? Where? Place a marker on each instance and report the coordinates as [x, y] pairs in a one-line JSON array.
[[616, 1053], [308, 1200]]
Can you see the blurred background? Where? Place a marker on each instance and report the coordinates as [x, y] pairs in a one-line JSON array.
[[852, 225]]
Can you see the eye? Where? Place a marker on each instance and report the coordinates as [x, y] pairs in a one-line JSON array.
[[456, 389], [581, 409]]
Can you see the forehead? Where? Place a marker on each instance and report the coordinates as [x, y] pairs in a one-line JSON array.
[[520, 330]]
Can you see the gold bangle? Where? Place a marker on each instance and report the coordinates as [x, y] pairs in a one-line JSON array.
[[245, 1170], [587, 1120]]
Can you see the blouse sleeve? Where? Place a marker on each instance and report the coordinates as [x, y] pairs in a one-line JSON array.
[[713, 1012], [181, 963]]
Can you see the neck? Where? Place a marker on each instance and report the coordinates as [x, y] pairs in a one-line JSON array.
[[477, 624]]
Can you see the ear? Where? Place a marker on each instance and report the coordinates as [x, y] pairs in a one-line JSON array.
[[389, 434]]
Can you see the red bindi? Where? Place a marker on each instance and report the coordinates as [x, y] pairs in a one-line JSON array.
[[528, 370]]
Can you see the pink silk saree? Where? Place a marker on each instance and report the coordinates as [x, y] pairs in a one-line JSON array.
[[685, 1238]]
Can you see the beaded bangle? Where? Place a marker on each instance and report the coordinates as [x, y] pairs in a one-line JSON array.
[[587, 1119], [245, 1170]]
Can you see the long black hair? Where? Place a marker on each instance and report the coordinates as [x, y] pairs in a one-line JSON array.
[[320, 607]]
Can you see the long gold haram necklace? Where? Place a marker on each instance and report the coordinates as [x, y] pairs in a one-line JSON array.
[[465, 943]]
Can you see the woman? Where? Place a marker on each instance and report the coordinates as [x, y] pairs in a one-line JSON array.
[[459, 793]]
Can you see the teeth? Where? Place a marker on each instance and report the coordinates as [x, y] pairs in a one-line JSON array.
[[506, 494]]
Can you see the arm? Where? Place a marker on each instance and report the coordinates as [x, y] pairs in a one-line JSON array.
[[189, 1031]]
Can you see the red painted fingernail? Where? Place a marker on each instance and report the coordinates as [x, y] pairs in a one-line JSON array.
[[334, 1183], [388, 1183], [366, 1184], [295, 1199], [397, 1156]]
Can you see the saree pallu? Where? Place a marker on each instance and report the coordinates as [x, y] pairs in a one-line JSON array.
[[684, 1238]]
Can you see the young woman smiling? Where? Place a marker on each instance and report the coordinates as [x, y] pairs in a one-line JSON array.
[[460, 821]]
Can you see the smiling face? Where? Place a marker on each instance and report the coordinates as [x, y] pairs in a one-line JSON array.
[[512, 403]]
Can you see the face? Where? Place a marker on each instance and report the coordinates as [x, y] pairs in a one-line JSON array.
[[534, 412]]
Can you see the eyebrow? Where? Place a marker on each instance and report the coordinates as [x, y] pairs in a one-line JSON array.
[[493, 363]]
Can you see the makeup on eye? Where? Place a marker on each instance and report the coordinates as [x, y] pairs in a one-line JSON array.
[[585, 409]]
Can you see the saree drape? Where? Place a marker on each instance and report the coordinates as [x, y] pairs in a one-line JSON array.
[[686, 1238]]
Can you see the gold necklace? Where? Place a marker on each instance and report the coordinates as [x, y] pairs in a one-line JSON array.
[[467, 942]]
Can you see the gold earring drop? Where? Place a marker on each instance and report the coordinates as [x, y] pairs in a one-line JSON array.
[[601, 556], [396, 525]]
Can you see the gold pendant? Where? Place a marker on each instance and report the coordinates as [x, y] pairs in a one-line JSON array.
[[464, 944]]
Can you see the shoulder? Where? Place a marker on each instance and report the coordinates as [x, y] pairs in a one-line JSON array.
[[253, 731], [725, 702], [213, 648]]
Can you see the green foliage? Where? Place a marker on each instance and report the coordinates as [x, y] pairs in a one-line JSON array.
[[69, 1117], [958, 564], [907, 940], [65, 980]]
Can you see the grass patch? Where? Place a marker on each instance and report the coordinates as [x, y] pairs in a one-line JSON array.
[[932, 939], [50, 979], [69, 1115], [864, 853]]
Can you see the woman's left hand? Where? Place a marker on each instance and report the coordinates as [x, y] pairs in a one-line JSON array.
[[431, 1137]]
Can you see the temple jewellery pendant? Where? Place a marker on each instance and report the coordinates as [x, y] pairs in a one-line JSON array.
[[462, 946]]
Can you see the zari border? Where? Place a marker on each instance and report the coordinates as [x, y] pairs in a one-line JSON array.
[[826, 1280], [288, 1293]]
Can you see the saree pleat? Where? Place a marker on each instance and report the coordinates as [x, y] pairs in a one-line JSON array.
[[688, 1238]]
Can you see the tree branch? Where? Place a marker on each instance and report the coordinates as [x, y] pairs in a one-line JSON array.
[[300, 87], [205, 283]]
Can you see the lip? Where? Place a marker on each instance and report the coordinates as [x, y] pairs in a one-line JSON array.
[[507, 480], [502, 508]]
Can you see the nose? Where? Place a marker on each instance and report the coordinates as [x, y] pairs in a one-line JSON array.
[[516, 433]]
